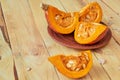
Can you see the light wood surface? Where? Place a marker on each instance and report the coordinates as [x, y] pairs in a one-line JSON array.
[[25, 44]]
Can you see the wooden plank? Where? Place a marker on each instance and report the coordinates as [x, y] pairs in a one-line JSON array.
[[27, 45], [110, 54], [6, 60], [97, 72], [113, 5]]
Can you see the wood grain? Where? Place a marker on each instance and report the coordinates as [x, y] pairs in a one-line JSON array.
[[24, 27], [113, 5], [27, 45]]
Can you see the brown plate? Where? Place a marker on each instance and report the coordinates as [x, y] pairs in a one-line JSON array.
[[68, 40]]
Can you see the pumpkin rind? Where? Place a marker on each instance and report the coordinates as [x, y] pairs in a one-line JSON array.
[[50, 14], [85, 12], [94, 37], [57, 62]]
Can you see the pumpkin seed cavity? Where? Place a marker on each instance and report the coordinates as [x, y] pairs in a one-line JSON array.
[[85, 31], [90, 15], [64, 20], [76, 63]]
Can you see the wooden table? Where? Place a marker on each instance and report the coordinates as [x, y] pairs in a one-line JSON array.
[[25, 44]]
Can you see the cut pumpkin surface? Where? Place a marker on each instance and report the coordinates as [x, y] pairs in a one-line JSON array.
[[85, 24], [89, 33], [73, 66], [60, 21], [92, 12], [65, 22]]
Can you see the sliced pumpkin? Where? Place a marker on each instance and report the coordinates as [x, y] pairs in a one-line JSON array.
[[60, 21], [89, 32], [73, 66], [92, 12]]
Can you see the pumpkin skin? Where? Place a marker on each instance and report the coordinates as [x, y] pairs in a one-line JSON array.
[[89, 33], [92, 12], [60, 21], [58, 63]]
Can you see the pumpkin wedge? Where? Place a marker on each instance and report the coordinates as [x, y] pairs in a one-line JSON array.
[[73, 66], [60, 21], [92, 12], [89, 32]]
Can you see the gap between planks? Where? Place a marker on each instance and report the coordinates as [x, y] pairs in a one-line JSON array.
[[3, 26]]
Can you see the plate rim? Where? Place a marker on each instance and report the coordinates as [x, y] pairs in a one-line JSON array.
[[106, 38]]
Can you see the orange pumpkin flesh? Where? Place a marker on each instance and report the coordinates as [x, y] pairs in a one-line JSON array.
[[89, 33], [73, 66], [59, 21], [92, 12]]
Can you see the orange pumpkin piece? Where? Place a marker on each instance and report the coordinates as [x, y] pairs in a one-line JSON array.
[[73, 66], [60, 21], [92, 12], [89, 32]]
